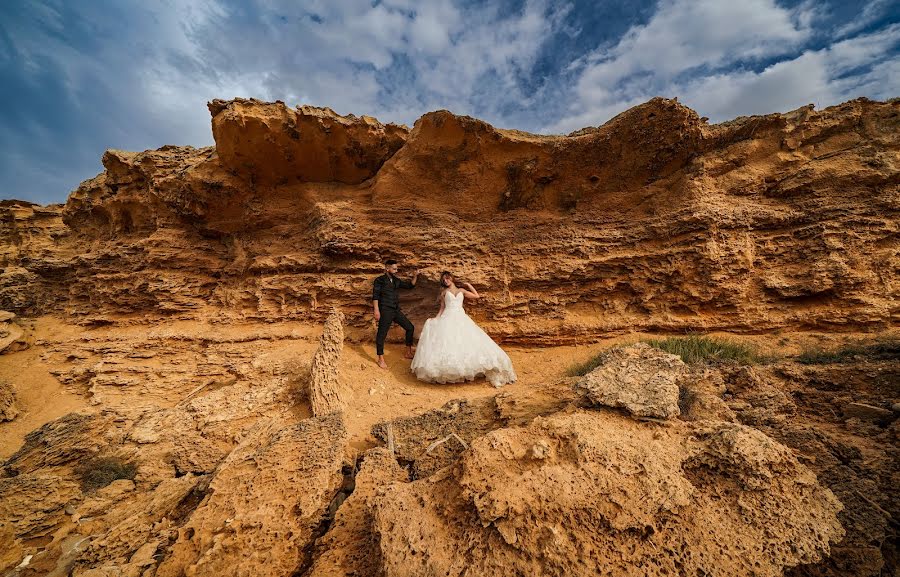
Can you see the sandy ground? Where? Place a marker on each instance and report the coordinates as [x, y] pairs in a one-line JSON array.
[[384, 394], [41, 398], [377, 394]]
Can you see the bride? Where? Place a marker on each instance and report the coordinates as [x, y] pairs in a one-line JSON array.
[[452, 348]]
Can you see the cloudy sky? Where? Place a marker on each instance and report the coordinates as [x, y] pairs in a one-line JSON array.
[[80, 77]]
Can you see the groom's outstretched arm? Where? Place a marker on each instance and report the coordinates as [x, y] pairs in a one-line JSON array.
[[405, 284]]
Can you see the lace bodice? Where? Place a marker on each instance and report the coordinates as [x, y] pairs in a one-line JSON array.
[[453, 302]]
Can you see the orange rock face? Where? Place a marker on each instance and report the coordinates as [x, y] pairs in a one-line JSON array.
[[479, 170], [273, 144], [203, 274], [519, 501], [654, 221]]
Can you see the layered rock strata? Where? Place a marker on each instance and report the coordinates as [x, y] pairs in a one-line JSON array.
[[655, 220]]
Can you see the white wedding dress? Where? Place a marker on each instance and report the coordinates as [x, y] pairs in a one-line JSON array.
[[453, 348]]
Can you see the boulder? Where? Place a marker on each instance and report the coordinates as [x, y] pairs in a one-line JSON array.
[[638, 378], [265, 502], [593, 493]]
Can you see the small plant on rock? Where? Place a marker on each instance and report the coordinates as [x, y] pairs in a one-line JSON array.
[[693, 349], [581, 369], [883, 349], [99, 472]]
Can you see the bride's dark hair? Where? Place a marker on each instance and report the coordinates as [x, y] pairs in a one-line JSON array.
[[444, 275]]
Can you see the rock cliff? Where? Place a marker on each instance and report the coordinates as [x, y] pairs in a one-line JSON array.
[[170, 403], [656, 220]]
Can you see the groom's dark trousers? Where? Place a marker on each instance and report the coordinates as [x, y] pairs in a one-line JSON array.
[[384, 290], [388, 317]]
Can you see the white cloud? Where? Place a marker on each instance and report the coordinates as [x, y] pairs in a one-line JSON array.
[[870, 13], [136, 74], [431, 29], [487, 48], [434, 54], [686, 34], [702, 54], [820, 77]]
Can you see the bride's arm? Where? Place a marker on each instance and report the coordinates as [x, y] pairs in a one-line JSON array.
[[471, 293]]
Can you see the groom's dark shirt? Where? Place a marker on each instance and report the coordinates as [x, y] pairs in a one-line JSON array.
[[385, 291]]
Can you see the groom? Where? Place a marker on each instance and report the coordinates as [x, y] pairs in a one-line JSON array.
[[387, 311]]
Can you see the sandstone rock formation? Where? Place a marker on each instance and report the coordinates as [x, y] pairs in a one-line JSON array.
[[179, 416], [12, 337], [436, 438], [33, 257], [31, 508], [264, 503], [9, 410], [487, 170], [800, 407], [523, 462], [178, 295], [326, 393], [268, 143], [351, 545], [639, 378], [609, 495], [655, 221]]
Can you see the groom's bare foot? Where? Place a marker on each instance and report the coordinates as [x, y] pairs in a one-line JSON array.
[[381, 363], [409, 354]]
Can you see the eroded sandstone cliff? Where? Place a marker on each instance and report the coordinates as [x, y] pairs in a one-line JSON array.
[[655, 220], [178, 299]]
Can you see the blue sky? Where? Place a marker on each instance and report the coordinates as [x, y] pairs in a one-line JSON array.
[[81, 77]]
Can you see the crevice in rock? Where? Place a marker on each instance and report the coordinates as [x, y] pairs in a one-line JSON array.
[[465, 419], [348, 470], [190, 502]]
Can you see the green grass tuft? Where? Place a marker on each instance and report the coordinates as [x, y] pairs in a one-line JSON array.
[[693, 349], [697, 349], [581, 369], [885, 349], [100, 472]]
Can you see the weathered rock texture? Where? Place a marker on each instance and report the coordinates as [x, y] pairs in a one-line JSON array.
[[800, 406], [9, 409], [655, 220], [597, 493], [269, 143], [351, 545], [326, 393], [436, 438], [264, 503], [34, 259], [12, 338], [639, 378], [230, 464], [179, 408]]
